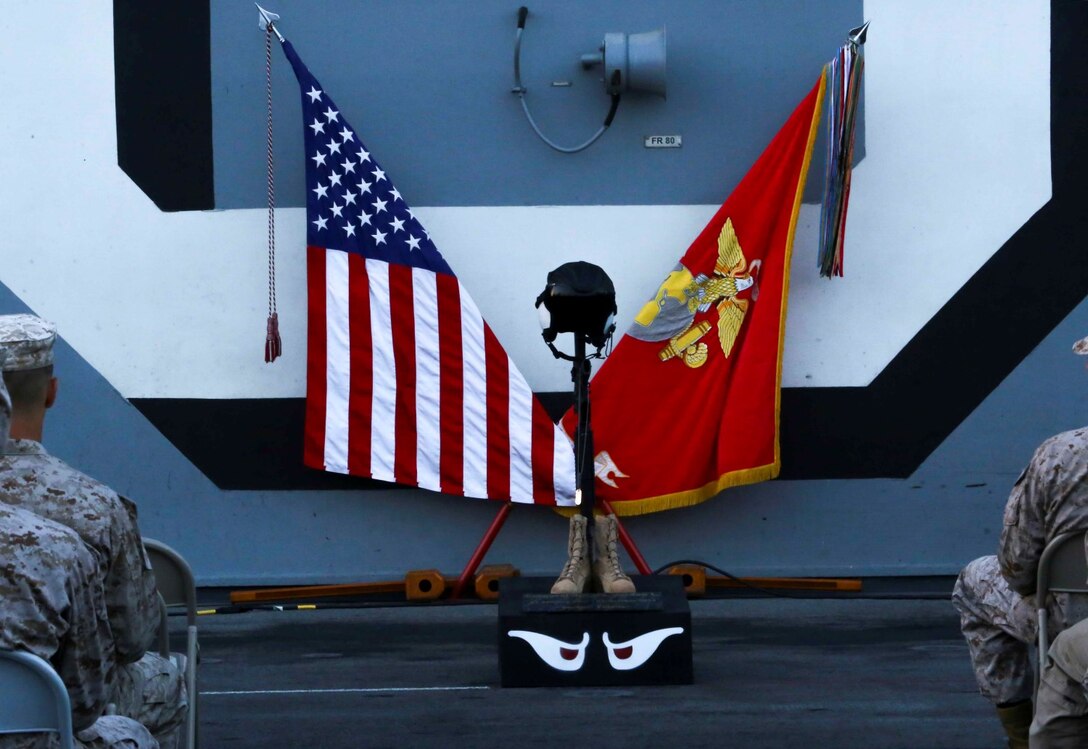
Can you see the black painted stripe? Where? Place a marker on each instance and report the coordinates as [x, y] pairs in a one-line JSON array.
[[251, 443], [163, 89]]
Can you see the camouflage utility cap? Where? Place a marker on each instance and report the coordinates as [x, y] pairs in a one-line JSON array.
[[28, 342]]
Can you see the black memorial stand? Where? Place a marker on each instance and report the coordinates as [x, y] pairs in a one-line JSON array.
[[594, 639], [590, 639]]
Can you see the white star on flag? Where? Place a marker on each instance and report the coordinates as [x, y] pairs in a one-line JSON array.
[[320, 222], [379, 206], [379, 237], [318, 158], [398, 224], [349, 229], [331, 115], [318, 126], [321, 190], [336, 209], [314, 95]]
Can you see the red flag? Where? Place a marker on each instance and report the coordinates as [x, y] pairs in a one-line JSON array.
[[687, 403], [405, 380]]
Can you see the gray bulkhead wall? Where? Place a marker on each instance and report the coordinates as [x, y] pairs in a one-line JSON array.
[[948, 512], [445, 70]]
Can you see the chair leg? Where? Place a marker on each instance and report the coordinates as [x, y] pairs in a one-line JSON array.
[[1043, 646], [190, 685]]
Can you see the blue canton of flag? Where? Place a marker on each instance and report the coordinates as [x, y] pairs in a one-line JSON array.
[[350, 204]]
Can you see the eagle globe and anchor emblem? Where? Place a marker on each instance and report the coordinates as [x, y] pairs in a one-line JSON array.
[[670, 315]]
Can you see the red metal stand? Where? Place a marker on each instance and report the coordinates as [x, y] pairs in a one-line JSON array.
[[481, 549], [496, 526], [628, 542]]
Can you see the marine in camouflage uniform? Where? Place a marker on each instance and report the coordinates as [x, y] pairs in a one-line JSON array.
[[1061, 705], [145, 686], [5, 403], [994, 595], [53, 607]]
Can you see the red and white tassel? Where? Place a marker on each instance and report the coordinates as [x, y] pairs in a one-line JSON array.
[[273, 346]]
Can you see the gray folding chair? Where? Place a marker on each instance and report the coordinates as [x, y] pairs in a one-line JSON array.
[[1063, 568], [174, 579], [33, 699]]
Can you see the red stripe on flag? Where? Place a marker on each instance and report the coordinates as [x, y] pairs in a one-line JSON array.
[[451, 385], [313, 454], [403, 324], [543, 456], [360, 397], [498, 417]]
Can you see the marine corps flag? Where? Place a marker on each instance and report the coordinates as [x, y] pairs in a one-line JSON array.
[[687, 403]]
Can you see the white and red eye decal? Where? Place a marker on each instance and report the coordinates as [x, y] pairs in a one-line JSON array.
[[624, 656], [562, 656]]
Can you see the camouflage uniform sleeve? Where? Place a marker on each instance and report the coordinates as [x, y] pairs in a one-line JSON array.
[[131, 598], [1023, 536], [85, 658]]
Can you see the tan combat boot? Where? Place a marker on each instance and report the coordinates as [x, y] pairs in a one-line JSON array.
[[576, 571], [1016, 720], [606, 564]]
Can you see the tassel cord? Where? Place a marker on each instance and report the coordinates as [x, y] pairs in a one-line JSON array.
[[273, 346]]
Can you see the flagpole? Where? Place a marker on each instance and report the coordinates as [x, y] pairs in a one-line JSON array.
[[583, 436]]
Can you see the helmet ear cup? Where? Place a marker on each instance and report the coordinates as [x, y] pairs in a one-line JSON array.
[[579, 299], [545, 316], [610, 324]]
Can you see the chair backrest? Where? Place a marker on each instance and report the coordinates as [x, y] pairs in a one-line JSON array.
[[1063, 567], [33, 699], [173, 577]]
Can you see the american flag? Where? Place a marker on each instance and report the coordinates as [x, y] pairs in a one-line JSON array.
[[405, 381]]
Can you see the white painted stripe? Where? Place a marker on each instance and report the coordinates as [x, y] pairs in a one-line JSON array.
[[428, 431], [474, 397], [337, 361], [383, 414], [521, 436], [359, 690], [563, 468]]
